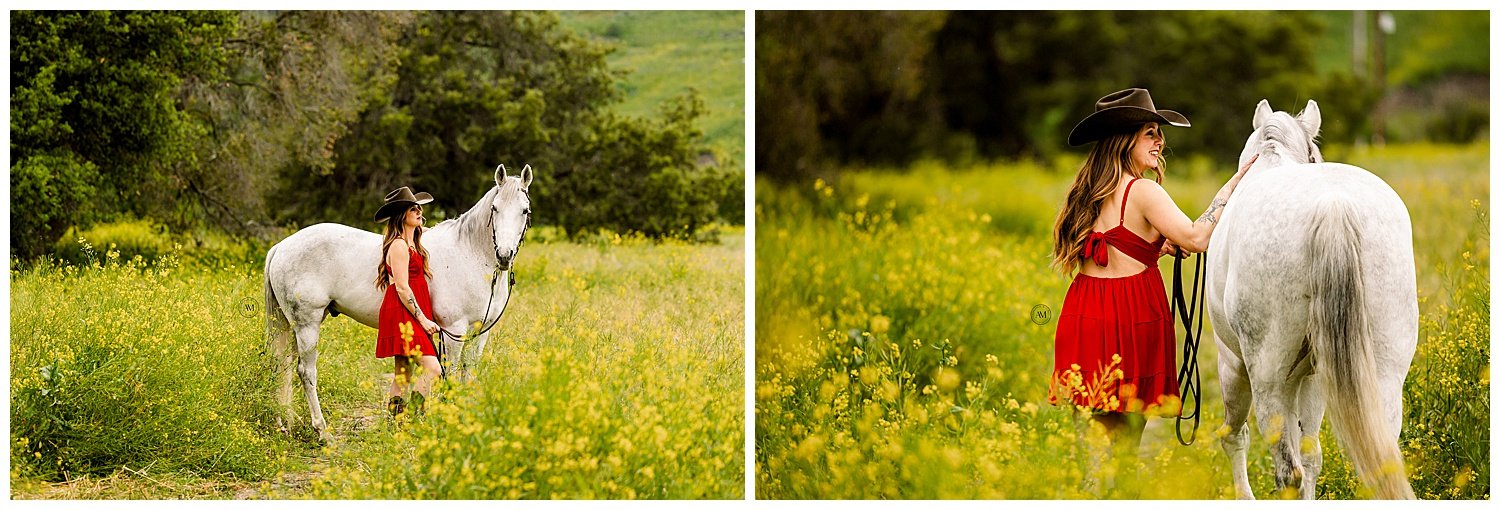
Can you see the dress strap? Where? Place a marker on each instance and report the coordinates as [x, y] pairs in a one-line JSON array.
[[1126, 199]]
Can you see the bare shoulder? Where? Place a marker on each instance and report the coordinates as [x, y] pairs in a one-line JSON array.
[[397, 248], [1148, 192]]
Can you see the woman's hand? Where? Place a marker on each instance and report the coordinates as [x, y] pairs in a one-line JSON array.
[[430, 327], [1246, 166], [1169, 248]]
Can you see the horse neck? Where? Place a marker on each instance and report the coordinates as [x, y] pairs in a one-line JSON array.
[[474, 232]]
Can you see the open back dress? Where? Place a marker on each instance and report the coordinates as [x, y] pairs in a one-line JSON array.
[[1125, 317]]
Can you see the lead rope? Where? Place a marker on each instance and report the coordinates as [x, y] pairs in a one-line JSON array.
[[442, 350], [1190, 380]]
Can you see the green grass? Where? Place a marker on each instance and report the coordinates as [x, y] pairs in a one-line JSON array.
[[669, 51], [616, 372], [896, 359]]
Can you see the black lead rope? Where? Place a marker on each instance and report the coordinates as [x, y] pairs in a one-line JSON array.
[[442, 350], [1190, 380]]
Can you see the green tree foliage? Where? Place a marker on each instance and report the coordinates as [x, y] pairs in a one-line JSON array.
[[298, 79], [250, 122], [888, 88], [93, 112], [474, 90], [845, 86]]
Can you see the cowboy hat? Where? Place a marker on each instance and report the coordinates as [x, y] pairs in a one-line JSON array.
[[1121, 111], [398, 201]]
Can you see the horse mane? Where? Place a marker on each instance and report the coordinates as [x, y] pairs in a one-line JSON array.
[[480, 210], [475, 212], [1283, 138]]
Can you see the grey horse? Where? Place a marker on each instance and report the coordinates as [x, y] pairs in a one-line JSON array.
[[330, 268]]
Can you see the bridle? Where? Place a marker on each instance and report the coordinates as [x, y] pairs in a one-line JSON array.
[[494, 279], [1190, 380]]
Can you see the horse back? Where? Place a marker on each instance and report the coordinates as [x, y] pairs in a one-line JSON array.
[[328, 263], [1257, 261]]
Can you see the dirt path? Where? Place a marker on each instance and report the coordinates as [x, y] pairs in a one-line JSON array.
[[146, 483], [353, 421]]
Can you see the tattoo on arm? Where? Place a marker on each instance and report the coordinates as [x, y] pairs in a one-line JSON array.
[[415, 310], [1212, 208]]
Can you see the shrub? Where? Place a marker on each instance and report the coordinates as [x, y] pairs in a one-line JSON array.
[[123, 240], [134, 375]]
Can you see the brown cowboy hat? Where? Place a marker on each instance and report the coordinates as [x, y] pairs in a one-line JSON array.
[[398, 201], [1121, 111]]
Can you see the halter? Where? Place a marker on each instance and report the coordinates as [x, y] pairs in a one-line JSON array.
[[494, 278], [1190, 380]]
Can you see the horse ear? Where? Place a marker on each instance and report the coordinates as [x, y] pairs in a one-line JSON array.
[[1262, 112], [1311, 118], [526, 176], [500, 174]]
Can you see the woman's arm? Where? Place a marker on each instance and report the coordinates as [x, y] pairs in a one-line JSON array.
[[1191, 236], [398, 259]]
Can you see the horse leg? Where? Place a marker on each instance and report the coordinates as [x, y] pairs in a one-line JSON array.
[[1310, 400], [1275, 409], [307, 369], [1235, 384], [471, 356]]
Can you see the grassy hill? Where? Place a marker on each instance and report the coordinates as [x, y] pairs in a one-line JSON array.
[[667, 52]]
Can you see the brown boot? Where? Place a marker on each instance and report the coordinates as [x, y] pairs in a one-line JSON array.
[[396, 406]]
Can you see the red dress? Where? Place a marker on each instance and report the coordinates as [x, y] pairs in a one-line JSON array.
[[1128, 317], [388, 341]]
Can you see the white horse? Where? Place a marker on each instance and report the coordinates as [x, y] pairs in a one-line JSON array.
[[1312, 293], [330, 268]]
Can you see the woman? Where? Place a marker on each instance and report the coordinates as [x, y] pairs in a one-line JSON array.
[[1115, 339], [403, 275]]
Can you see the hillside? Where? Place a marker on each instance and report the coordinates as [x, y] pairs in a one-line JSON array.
[[668, 51]]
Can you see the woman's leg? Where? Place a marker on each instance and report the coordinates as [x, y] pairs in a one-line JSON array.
[[402, 375], [396, 404], [429, 371], [1124, 430]]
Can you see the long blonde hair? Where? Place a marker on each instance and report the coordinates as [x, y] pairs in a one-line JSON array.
[[393, 232], [1095, 183]]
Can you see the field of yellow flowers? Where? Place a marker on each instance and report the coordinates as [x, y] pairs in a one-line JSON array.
[[616, 372], [896, 356]]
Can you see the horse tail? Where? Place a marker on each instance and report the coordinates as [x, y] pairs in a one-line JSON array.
[[278, 347], [1341, 346]]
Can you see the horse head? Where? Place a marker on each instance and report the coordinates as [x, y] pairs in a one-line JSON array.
[[1282, 139], [510, 213]]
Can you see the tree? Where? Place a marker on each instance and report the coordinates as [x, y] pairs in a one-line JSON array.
[[93, 113], [474, 90], [889, 88], [841, 86], [297, 80]]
